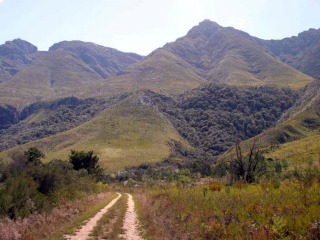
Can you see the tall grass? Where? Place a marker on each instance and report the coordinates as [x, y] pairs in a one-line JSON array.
[[269, 210]]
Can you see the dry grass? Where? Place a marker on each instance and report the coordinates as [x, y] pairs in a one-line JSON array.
[[260, 211]]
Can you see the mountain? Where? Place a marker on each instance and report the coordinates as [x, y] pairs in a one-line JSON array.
[[206, 90], [220, 55], [208, 53], [65, 70], [14, 56], [301, 52]]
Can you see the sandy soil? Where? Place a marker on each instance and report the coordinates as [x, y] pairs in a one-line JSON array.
[[84, 232], [130, 223]]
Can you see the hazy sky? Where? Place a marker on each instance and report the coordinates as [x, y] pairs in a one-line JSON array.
[[143, 25]]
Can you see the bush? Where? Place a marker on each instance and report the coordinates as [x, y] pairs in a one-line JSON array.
[[19, 197], [29, 186], [87, 161]]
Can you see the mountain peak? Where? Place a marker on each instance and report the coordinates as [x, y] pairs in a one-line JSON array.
[[70, 45], [23, 45], [206, 27]]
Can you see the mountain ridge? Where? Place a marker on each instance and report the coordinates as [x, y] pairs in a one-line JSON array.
[[62, 72]]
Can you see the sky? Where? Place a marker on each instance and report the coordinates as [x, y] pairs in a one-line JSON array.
[[141, 26]]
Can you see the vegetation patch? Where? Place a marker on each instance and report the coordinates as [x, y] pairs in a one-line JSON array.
[[262, 211], [214, 117]]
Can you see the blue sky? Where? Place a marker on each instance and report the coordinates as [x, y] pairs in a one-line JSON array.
[[143, 25]]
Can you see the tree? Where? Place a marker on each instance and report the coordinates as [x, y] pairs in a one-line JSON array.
[[85, 160], [250, 167], [34, 155]]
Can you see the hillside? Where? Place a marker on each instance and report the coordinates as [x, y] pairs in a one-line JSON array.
[[161, 71], [300, 52], [296, 136], [43, 119], [127, 134], [65, 70], [214, 116]]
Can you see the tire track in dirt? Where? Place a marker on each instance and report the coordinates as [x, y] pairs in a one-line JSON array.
[[130, 223], [84, 232]]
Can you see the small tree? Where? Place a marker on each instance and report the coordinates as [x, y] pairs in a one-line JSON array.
[[250, 167], [85, 160]]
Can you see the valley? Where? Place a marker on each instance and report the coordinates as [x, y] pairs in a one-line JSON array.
[[215, 135]]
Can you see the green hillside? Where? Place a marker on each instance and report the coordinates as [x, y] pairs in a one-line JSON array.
[[128, 134], [297, 135]]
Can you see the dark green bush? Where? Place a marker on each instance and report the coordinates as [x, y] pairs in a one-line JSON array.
[[28, 186], [87, 161]]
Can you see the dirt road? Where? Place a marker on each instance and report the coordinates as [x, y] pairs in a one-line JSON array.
[[130, 223], [83, 233]]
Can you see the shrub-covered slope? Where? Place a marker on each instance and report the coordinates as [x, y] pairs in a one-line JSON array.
[[296, 137], [43, 119], [213, 117], [128, 133]]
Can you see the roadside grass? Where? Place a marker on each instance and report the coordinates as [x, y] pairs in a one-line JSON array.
[[49, 225], [269, 210], [110, 226], [72, 226], [145, 225]]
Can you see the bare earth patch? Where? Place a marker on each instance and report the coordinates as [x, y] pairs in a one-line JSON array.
[[84, 232]]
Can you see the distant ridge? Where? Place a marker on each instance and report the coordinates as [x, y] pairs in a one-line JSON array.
[[28, 75], [208, 53]]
